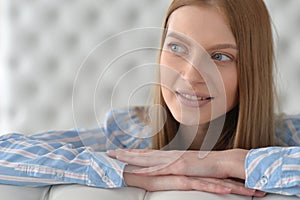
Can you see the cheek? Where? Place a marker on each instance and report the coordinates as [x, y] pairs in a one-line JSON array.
[[167, 95], [164, 60], [169, 71], [231, 87], [170, 61]]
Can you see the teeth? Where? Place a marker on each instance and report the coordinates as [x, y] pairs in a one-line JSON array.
[[195, 98]]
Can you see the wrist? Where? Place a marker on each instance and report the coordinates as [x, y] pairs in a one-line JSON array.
[[235, 163]]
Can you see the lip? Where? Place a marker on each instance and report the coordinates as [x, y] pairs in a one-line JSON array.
[[192, 93], [182, 97]]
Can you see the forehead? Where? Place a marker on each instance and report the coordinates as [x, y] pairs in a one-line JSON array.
[[204, 24]]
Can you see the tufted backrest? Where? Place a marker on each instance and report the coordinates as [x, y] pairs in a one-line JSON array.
[[54, 77], [58, 54]]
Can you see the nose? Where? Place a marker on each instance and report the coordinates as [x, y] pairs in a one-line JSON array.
[[191, 73]]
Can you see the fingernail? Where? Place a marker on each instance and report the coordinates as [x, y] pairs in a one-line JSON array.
[[251, 191], [109, 152], [228, 189], [260, 193]]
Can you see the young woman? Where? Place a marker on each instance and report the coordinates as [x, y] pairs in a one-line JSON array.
[[216, 94], [237, 36]]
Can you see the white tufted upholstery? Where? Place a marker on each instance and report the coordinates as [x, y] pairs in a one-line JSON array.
[[286, 18], [45, 42]]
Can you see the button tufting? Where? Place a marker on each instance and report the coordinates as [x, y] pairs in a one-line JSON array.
[[57, 35]]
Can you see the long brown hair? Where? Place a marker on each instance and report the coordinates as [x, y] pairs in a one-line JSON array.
[[251, 123]]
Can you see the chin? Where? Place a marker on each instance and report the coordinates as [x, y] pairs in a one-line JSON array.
[[190, 118]]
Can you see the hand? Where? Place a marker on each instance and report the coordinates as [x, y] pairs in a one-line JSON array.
[[173, 182], [216, 164], [161, 183], [235, 186]]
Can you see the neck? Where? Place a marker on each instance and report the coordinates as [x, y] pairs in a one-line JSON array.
[[191, 137]]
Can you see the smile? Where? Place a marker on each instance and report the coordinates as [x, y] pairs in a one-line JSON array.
[[192, 100], [195, 98]]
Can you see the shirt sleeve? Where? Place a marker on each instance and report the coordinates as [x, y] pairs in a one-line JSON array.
[[277, 169], [61, 157]]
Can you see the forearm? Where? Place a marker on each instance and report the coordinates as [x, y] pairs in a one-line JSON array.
[[94, 138], [38, 163]]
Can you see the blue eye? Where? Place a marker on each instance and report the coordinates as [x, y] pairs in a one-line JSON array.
[[221, 57], [177, 48]]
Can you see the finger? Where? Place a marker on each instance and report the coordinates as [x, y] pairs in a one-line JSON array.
[[184, 183], [236, 187], [137, 150], [152, 171], [113, 153], [126, 155], [144, 159], [259, 193], [205, 186]]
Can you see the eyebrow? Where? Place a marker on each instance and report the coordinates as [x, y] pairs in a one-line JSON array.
[[223, 46], [179, 37], [187, 40]]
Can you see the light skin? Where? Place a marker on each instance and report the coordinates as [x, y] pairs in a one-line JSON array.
[[183, 170], [156, 170], [204, 57]]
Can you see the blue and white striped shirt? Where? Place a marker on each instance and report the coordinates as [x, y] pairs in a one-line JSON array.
[[79, 156]]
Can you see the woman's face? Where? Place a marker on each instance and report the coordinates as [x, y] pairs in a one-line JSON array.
[[198, 65]]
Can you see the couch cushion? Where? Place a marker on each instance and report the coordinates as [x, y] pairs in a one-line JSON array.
[[8, 192], [191, 195], [78, 192], [277, 197]]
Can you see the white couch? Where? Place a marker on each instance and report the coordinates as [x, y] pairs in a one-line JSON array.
[[77, 192], [54, 37]]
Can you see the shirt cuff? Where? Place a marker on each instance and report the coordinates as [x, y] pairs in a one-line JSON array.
[[264, 168], [106, 172]]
